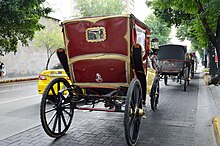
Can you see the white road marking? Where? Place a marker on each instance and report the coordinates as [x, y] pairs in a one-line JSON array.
[[18, 99], [4, 91]]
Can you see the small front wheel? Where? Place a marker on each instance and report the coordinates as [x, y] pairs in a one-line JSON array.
[[133, 112], [154, 95], [56, 110], [165, 80]]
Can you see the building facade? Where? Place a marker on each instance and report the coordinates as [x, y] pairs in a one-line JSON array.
[[29, 60]]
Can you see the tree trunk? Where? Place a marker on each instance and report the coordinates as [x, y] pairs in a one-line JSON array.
[[215, 40], [48, 60], [212, 64]]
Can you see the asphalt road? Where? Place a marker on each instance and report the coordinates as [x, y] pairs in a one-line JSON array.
[[19, 107]]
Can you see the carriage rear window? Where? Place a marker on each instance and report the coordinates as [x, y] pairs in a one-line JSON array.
[[96, 34]]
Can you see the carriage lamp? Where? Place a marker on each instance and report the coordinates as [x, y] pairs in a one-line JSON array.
[[155, 43]]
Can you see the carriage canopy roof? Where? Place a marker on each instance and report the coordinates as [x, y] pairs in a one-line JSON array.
[[171, 52]]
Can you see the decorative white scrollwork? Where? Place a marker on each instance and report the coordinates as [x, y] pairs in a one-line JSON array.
[[99, 78]]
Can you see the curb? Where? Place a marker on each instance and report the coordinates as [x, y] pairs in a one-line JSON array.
[[18, 80], [216, 127]]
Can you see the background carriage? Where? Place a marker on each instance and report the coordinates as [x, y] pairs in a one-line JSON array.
[[172, 60], [104, 59]]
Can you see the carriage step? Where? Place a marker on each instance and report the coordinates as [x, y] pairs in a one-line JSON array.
[[99, 109]]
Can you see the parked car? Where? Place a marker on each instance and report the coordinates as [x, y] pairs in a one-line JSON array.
[[46, 76]]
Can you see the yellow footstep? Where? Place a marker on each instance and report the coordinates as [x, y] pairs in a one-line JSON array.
[[150, 79]]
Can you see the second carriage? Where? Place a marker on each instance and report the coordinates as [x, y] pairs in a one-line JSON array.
[[173, 63]]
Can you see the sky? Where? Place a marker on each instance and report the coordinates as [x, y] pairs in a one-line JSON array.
[[64, 11], [140, 10]]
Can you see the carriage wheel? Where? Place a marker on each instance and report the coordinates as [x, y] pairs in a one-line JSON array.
[[155, 96], [185, 84], [133, 112], [165, 79], [56, 110], [186, 78]]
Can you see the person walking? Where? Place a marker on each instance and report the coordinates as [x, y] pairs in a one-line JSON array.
[[2, 72]]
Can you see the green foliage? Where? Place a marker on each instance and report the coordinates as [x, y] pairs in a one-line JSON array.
[[159, 29], [185, 32], [18, 22], [50, 38], [184, 13], [99, 7]]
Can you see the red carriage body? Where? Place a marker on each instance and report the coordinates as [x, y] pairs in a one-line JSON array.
[[99, 49]]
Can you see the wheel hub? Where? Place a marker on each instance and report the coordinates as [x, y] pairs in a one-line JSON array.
[[141, 112], [137, 112]]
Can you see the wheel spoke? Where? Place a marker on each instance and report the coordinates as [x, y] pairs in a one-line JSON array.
[[63, 97], [63, 119], [50, 110], [59, 122], [137, 123], [53, 91], [68, 113], [136, 128], [54, 94], [136, 96], [55, 123], [131, 125], [51, 119], [51, 101], [67, 105], [132, 105]]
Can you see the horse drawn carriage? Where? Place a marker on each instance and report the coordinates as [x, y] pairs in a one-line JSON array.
[[173, 62], [104, 58]]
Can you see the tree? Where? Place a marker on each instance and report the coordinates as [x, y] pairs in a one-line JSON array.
[[183, 32], [99, 7], [202, 17], [50, 38], [18, 22], [159, 29]]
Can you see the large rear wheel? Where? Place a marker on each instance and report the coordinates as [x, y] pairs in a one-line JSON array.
[[133, 112], [56, 110]]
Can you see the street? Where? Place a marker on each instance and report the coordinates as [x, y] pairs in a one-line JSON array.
[[19, 106], [182, 119]]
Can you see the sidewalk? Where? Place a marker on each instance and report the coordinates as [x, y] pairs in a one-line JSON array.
[[18, 79], [215, 91], [215, 94]]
